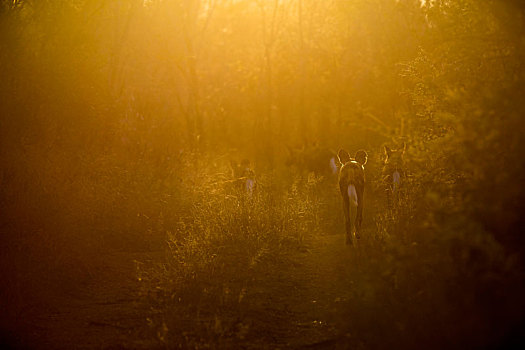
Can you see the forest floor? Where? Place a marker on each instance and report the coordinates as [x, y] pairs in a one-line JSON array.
[[105, 312], [301, 304], [305, 305]]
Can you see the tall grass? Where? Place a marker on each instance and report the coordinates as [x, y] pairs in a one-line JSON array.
[[217, 250]]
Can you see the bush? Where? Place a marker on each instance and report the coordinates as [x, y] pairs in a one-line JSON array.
[[214, 254]]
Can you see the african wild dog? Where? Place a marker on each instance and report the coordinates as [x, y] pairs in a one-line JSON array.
[[352, 186], [393, 171], [243, 177], [321, 161]]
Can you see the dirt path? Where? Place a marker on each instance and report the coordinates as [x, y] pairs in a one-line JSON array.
[[304, 303], [107, 313], [328, 287]]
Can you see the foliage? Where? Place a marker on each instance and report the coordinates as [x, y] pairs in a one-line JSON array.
[[118, 119], [217, 252]]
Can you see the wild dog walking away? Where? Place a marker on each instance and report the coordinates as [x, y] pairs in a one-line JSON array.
[[352, 186], [243, 177], [393, 171], [313, 158]]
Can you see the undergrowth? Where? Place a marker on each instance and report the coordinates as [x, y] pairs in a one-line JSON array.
[[214, 254]]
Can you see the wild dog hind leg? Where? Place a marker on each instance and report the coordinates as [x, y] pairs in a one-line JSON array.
[[359, 216], [348, 220]]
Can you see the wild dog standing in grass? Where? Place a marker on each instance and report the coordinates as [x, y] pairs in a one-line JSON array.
[[393, 172], [352, 187], [314, 158], [243, 177]]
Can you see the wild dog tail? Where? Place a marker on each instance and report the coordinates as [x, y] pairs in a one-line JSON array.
[[250, 185], [352, 195], [396, 179], [333, 165]]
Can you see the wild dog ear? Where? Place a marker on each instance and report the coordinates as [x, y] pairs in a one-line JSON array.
[[361, 157], [344, 156], [388, 151]]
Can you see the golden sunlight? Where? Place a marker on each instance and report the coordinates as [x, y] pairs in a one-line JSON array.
[[262, 174]]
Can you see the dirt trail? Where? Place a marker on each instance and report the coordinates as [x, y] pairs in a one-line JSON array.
[[104, 314], [301, 305], [328, 288], [307, 305]]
